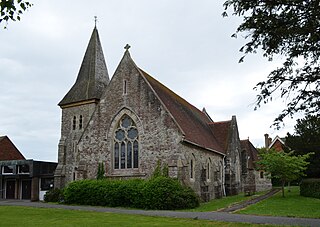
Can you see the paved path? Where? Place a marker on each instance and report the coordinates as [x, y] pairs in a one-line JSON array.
[[216, 216], [243, 204]]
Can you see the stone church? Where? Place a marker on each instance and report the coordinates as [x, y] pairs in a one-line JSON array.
[[132, 121]]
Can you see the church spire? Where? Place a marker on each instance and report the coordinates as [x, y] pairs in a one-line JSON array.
[[92, 77]]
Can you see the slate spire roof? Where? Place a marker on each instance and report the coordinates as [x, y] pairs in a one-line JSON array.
[[92, 77]]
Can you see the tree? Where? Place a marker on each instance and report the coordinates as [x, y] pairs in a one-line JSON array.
[[306, 138], [283, 166], [291, 29], [12, 9]]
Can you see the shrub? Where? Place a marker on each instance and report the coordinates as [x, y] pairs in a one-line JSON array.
[[103, 192], [162, 193], [54, 195], [156, 193], [310, 188], [101, 171]]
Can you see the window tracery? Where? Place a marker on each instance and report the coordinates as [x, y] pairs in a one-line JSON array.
[[126, 144]]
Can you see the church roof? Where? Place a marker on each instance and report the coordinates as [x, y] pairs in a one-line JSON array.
[[193, 122], [92, 77], [8, 151], [221, 131], [252, 152]]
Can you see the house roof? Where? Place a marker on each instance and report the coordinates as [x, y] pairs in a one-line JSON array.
[[8, 151], [252, 152], [277, 138], [193, 122], [92, 77]]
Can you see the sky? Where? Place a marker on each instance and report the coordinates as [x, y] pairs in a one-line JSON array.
[[186, 45]]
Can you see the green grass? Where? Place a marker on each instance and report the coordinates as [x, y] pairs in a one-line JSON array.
[[217, 204], [28, 216], [292, 205]]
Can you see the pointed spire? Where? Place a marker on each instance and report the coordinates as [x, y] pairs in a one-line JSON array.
[[93, 74]]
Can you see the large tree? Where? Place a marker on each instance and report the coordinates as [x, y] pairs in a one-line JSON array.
[[283, 166], [12, 9], [291, 29], [306, 138]]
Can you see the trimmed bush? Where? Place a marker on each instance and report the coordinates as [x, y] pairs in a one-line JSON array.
[[310, 188], [156, 193], [103, 192], [163, 193], [54, 195]]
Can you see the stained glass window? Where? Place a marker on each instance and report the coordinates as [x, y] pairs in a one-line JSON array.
[[116, 156], [126, 144]]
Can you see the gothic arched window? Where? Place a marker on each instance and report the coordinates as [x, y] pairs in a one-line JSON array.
[[74, 123], [192, 167], [126, 144], [80, 122], [208, 169]]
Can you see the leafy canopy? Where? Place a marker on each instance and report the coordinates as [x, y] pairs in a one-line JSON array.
[[306, 138], [12, 9], [291, 29], [283, 166]]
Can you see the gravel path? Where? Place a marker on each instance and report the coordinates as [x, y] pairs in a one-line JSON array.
[[215, 216]]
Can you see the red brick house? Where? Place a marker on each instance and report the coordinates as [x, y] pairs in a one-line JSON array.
[[277, 143], [21, 178], [8, 151]]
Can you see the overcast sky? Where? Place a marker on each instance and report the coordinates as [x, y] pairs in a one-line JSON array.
[[186, 45]]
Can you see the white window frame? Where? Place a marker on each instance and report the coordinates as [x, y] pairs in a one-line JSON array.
[[3, 173]]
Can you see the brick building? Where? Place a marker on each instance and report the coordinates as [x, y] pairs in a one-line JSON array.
[[21, 178], [130, 122]]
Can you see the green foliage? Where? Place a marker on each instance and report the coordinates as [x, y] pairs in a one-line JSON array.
[[283, 166], [163, 193], [157, 171], [310, 188], [290, 29], [160, 170], [12, 9], [306, 139], [101, 171], [54, 195], [156, 193]]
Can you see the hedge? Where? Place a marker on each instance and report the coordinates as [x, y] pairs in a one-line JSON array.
[[156, 193], [54, 195], [310, 188]]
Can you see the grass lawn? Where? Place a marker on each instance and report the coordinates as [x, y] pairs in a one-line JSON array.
[[28, 216], [217, 204], [292, 205]]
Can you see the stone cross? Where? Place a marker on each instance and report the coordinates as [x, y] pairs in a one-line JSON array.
[[127, 47], [95, 20]]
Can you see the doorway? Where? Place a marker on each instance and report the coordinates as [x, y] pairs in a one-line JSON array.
[[10, 189], [26, 189]]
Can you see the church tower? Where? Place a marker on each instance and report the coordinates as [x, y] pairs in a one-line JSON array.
[[78, 106]]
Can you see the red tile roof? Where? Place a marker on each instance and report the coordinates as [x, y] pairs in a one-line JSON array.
[[221, 131], [252, 152], [193, 122], [8, 150]]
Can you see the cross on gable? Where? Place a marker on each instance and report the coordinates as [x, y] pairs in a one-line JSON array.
[[127, 47], [95, 20]]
